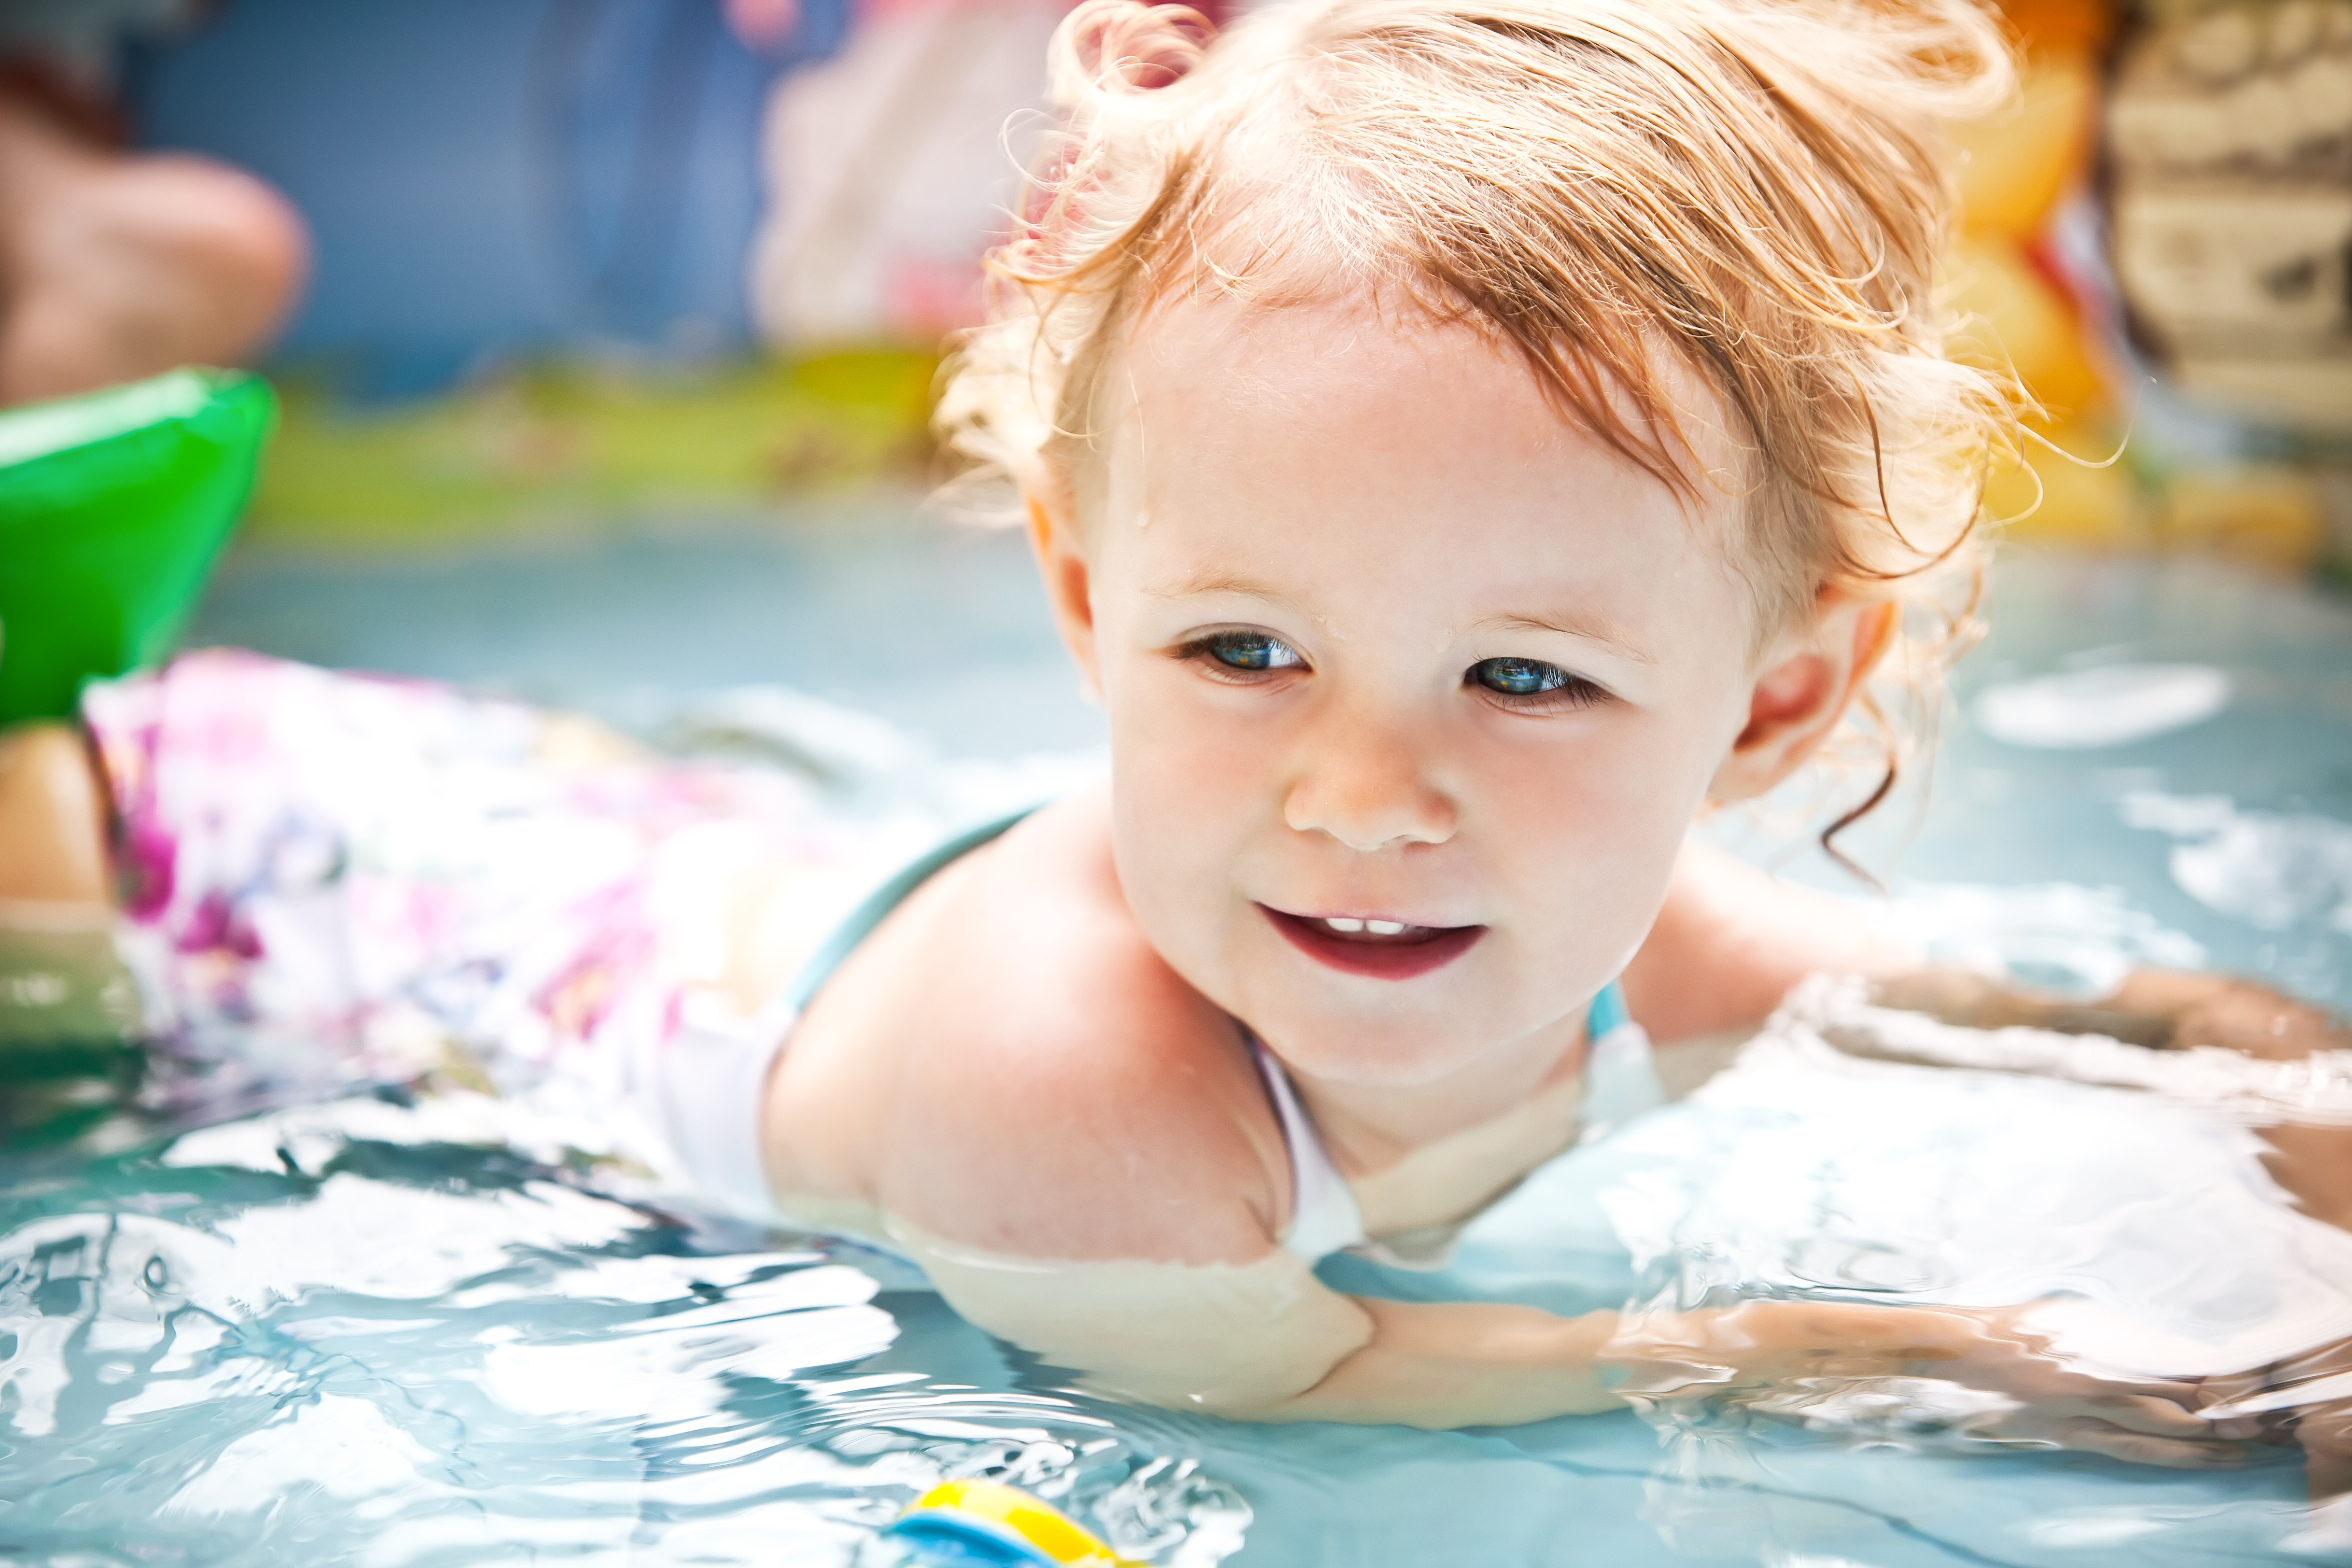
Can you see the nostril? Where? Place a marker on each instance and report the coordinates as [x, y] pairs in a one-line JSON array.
[[1367, 790], [1371, 827]]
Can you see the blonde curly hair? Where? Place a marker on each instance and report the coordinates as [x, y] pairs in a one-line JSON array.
[[1620, 192]]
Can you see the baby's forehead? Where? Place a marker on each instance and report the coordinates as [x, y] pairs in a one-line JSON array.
[[1208, 366], [1330, 416]]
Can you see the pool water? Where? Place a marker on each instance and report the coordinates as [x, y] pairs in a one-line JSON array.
[[381, 1329]]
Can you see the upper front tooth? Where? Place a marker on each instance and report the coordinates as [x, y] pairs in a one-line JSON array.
[[1341, 923], [1385, 928]]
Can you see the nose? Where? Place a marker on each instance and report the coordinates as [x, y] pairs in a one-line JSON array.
[[1369, 790]]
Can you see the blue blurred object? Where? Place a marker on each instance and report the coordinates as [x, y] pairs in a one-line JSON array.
[[487, 177], [944, 1539]]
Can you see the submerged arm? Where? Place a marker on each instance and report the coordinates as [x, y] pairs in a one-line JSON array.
[[1731, 941], [1461, 1364], [1266, 1341]]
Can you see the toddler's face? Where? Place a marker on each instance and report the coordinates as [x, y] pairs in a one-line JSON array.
[[1413, 689]]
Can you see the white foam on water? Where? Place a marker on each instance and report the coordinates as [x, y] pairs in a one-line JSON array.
[[2059, 938], [2271, 870]]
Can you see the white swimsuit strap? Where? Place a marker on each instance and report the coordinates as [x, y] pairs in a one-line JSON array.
[[1324, 1219]]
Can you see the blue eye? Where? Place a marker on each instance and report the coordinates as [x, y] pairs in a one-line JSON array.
[[1520, 676], [1532, 686], [1250, 650]]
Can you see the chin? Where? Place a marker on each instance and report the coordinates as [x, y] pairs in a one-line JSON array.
[[1386, 1053]]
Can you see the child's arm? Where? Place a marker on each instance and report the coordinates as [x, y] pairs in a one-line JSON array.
[[1266, 1341], [1455, 1364], [2161, 1009], [1752, 937], [1730, 940]]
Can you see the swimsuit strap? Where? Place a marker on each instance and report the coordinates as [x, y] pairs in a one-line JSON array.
[[1324, 1217], [709, 1080], [1608, 1012], [877, 906], [1323, 1214]]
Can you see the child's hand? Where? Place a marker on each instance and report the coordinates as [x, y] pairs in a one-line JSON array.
[[2222, 1010], [2305, 1400], [2158, 1008], [2001, 1382]]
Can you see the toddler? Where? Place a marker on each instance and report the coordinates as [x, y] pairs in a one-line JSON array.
[[1463, 441]]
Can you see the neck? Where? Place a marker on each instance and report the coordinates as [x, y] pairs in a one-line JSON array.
[[1370, 1127]]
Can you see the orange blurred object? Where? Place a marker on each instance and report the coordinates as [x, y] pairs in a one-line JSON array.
[[2082, 25], [2022, 160], [2017, 320], [2017, 315]]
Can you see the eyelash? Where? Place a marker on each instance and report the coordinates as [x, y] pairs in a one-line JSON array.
[[1565, 691], [1203, 651]]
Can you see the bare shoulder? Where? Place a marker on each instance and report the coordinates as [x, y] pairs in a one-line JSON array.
[[1731, 939], [1008, 1064]]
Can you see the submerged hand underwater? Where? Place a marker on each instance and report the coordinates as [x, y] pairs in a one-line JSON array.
[[1440, 550]]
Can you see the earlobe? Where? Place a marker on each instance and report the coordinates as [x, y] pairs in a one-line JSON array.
[[1802, 693], [1069, 586]]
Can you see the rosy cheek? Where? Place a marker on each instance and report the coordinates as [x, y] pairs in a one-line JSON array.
[[1184, 785], [1198, 748], [1602, 815]]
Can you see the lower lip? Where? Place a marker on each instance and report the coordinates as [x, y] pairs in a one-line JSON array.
[[1379, 960]]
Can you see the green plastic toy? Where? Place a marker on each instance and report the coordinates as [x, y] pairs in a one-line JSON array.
[[114, 507]]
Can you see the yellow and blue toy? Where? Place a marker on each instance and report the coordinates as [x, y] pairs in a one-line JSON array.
[[986, 1524]]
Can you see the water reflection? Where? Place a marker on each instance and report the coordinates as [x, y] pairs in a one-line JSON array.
[[2145, 1221], [2271, 870], [2108, 705], [425, 1351]]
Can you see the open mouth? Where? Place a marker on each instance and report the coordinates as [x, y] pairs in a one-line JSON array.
[[1384, 949]]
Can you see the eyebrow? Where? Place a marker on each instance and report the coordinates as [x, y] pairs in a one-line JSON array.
[[1592, 628], [1219, 582]]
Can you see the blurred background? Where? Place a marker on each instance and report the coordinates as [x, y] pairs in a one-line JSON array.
[[606, 329]]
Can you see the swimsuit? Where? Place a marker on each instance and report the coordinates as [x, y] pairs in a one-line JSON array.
[[712, 1079], [333, 881]]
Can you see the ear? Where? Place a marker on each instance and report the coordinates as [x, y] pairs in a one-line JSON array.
[[1807, 682], [1069, 584]]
